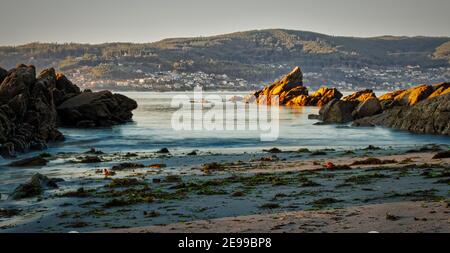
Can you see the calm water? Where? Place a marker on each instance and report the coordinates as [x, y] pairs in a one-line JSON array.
[[152, 130]]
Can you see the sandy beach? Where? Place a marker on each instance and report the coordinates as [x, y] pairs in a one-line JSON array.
[[275, 190]]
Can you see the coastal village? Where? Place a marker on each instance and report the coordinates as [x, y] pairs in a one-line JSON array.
[[344, 79]]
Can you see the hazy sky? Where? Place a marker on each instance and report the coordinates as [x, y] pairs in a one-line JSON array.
[[96, 21]]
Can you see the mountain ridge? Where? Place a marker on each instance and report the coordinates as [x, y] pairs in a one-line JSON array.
[[255, 55]]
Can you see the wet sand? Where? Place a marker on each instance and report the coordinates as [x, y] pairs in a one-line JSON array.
[[382, 189], [398, 217]]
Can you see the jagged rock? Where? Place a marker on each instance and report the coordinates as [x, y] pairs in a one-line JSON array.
[[96, 109], [34, 187], [337, 111], [410, 96], [367, 108], [287, 88], [28, 114], [319, 98], [360, 96], [440, 89], [431, 116], [27, 111], [291, 92], [28, 162], [324, 95], [65, 89]]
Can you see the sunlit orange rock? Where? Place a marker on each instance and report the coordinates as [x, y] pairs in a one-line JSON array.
[[440, 89], [287, 88], [414, 95], [391, 95], [291, 92], [360, 96], [324, 95]]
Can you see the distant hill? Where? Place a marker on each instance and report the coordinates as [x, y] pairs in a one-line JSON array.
[[254, 55]]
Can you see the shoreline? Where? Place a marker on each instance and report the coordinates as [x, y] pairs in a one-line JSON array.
[[169, 189]]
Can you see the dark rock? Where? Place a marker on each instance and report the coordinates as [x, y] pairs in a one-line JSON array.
[[273, 150], [34, 187], [28, 114], [313, 116], [338, 111], [94, 151], [29, 162], [126, 166], [367, 108], [90, 159], [96, 109], [193, 153], [27, 111], [163, 151], [431, 116], [442, 155], [3, 74]]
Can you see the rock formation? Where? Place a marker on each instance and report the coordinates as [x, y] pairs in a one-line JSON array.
[[413, 95], [291, 92], [430, 116], [357, 105], [34, 187], [338, 111], [96, 109], [360, 96], [28, 108]]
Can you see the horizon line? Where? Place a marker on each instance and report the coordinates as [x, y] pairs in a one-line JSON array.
[[220, 34]]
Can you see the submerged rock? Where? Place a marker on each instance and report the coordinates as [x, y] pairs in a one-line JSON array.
[[34, 187], [28, 162], [163, 151], [126, 166]]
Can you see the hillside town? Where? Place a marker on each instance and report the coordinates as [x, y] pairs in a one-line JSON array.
[[345, 79]]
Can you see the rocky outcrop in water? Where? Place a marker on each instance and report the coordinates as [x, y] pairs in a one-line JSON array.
[[430, 116], [28, 108], [96, 109], [413, 95], [357, 105], [291, 92], [28, 118]]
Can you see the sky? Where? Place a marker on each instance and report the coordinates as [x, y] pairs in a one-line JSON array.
[[99, 21]]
